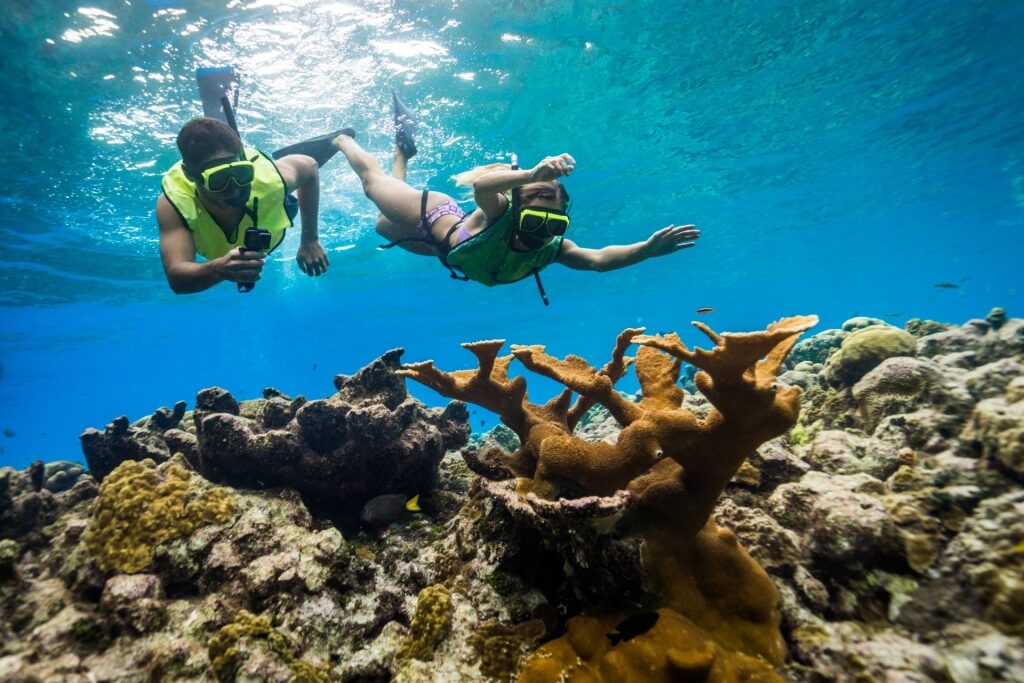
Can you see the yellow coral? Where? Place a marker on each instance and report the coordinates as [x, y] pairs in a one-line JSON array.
[[223, 649], [674, 649], [142, 505], [431, 623]]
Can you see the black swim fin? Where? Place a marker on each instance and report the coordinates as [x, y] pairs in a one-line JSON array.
[[215, 84], [405, 128], [319, 147]]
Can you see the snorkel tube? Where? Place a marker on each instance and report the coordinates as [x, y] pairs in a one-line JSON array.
[[514, 206], [516, 195], [229, 114]]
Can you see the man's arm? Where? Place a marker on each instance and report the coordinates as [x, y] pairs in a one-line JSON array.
[[301, 174], [665, 241], [178, 253]]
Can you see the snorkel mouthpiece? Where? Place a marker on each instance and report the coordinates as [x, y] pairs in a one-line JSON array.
[[238, 196]]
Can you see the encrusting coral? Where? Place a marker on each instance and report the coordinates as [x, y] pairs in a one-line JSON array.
[[141, 505], [226, 650], [673, 464], [431, 622]]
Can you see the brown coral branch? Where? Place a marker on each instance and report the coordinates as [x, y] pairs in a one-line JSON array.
[[488, 386], [614, 369], [576, 374]]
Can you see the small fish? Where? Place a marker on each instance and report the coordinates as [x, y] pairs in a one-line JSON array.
[[633, 626], [8, 432], [483, 422], [387, 509], [314, 368], [947, 285], [893, 315], [705, 309]]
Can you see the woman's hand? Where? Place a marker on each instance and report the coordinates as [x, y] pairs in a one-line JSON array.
[[552, 167], [670, 239]]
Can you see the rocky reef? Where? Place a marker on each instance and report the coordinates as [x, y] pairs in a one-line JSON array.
[[853, 512], [369, 438]]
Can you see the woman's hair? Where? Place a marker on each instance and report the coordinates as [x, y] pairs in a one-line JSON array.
[[466, 178], [201, 137]]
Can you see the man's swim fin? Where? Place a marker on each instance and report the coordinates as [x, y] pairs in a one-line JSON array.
[[319, 147], [218, 89], [405, 128]]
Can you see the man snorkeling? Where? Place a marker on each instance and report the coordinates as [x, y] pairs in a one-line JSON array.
[[232, 205], [517, 229]]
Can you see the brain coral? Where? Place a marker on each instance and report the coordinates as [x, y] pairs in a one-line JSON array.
[[141, 505], [864, 349]]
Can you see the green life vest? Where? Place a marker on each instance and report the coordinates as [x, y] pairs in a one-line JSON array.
[[268, 197], [488, 256]]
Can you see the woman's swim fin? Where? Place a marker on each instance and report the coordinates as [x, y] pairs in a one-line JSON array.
[[319, 147], [405, 128]]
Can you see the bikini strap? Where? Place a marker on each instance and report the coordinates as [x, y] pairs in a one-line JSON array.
[[441, 248], [423, 218]]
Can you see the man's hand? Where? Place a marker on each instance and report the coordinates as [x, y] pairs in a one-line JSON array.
[[670, 239], [312, 259], [241, 265], [552, 167]]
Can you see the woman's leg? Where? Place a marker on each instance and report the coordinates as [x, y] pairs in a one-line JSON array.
[[386, 228], [398, 202]]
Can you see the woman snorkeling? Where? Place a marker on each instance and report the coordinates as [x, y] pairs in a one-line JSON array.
[[517, 229]]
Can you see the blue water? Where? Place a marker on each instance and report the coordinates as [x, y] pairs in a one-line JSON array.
[[840, 158]]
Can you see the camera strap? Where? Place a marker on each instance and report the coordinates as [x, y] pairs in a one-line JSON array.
[[253, 213]]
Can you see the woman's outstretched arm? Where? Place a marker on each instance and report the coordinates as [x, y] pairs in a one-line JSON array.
[[668, 240], [489, 189]]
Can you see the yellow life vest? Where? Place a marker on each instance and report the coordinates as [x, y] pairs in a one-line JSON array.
[[268, 196]]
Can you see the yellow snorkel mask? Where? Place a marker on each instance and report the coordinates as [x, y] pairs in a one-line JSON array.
[[219, 178], [536, 225]]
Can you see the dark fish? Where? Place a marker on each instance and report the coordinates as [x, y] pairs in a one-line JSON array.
[[483, 422], [387, 509], [893, 315], [633, 626], [1, 369], [8, 431], [947, 285], [706, 309], [314, 367]]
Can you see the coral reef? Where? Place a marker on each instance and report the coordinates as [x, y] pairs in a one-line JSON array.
[[886, 523]]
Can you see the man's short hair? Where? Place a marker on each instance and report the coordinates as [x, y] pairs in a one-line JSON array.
[[201, 137]]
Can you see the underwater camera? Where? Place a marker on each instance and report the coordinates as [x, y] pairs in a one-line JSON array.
[[256, 239]]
